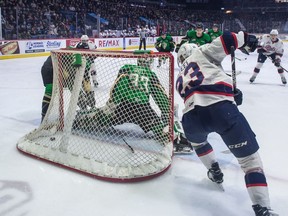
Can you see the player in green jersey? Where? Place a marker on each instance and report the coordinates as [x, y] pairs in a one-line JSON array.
[[197, 36], [214, 32], [164, 43], [129, 102]]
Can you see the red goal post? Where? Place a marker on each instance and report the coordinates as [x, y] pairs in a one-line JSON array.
[[82, 131]]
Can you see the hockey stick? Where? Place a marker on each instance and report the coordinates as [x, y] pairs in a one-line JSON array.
[[229, 73], [130, 147], [284, 69], [279, 66], [233, 75], [192, 24], [121, 135]]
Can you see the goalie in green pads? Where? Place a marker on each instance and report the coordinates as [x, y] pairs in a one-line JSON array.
[[129, 102]]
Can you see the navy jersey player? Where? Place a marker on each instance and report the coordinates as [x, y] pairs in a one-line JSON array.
[[211, 106]]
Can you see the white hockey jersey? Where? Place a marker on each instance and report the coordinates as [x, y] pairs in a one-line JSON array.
[[270, 46], [90, 45], [203, 81]]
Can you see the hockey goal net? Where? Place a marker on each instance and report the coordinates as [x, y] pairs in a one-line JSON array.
[[118, 130]]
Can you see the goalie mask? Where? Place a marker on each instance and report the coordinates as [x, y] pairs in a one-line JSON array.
[[145, 62], [185, 51]]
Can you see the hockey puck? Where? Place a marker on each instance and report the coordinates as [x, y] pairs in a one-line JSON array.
[[52, 138]]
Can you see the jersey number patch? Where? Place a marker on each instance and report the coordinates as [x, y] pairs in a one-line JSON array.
[[139, 82], [191, 77]]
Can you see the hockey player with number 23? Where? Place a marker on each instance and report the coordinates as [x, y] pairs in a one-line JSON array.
[[211, 106]]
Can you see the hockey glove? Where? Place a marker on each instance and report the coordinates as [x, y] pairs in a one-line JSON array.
[[238, 96], [158, 46], [184, 40], [277, 62], [250, 45], [260, 50]]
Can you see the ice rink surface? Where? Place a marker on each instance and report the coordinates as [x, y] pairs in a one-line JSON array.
[[30, 187]]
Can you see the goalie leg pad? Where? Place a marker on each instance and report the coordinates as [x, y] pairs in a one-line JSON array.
[[93, 119]]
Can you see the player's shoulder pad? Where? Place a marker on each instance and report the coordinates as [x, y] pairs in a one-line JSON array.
[[190, 33], [92, 45]]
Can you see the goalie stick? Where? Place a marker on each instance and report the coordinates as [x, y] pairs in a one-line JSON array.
[[129, 146], [126, 143]]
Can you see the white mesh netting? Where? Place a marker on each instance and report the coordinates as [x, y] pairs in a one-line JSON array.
[[114, 124]]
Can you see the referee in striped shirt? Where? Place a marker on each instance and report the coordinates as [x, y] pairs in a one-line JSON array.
[[142, 38]]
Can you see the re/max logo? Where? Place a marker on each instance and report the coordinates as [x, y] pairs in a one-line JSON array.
[[108, 43]]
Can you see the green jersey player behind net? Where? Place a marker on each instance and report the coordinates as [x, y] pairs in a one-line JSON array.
[[129, 102], [87, 97]]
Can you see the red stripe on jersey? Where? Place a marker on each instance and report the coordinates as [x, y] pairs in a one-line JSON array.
[[205, 153], [257, 185], [235, 39], [223, 45], [223, 83]]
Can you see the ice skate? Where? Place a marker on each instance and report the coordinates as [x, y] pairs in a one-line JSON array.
[[263, 211], [182, 146], [284, 81], [215, 175], [252, 79]]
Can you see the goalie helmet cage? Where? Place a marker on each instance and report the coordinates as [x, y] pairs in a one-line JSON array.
[[118, 153]]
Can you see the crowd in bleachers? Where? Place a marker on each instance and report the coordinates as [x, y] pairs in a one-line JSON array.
[[25, 19]]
